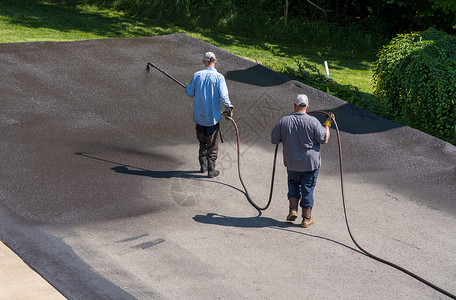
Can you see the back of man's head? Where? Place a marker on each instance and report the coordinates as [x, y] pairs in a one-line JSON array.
[[209, 57], [301, 100]]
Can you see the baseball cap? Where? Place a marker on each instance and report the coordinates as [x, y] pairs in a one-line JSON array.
[[209, 56], [301, 100]]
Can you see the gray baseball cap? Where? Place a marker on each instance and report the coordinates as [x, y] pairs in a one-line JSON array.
[[209, 56]]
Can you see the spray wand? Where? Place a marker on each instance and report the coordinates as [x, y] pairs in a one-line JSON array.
[[149, 64], [342, 189]]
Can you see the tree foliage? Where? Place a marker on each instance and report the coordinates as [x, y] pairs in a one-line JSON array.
[[372, 15], [448, 6], [415, 77]]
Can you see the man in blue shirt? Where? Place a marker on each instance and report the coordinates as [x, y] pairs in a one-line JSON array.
[[210, 92], [301, 136]]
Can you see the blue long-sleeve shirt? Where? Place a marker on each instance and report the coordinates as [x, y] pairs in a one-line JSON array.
[[210, 92]]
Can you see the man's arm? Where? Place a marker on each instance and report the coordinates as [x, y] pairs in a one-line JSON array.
[[275, 134], [223, 93], [327, 124], [327, 134], [190, 88]]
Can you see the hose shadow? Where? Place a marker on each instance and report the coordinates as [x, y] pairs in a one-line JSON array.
[[261, 222]]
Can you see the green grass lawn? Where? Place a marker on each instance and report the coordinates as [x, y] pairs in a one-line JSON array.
[[43, 21]]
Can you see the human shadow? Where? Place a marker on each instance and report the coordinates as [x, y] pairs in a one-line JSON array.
[[250, 222], [157, 174], [195, 175], [260, 222], [138, 171]]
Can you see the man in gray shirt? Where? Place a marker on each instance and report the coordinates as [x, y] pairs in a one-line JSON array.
[[301, 136]]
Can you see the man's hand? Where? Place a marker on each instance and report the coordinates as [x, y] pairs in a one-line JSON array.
[[228, 113], [329, 120]]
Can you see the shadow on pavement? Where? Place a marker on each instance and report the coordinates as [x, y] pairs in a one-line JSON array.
[[123, 169], [158, 174], [257, 75], [355, 120], [259, 222]]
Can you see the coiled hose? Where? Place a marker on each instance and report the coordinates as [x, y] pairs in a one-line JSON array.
[[150, 64], [343, 203]]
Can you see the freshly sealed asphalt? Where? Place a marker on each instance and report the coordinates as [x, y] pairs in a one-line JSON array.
[[100, 191]]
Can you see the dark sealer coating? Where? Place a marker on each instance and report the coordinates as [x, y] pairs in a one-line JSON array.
[[84, 128]]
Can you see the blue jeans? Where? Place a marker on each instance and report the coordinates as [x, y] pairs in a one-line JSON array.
[[301, 185]]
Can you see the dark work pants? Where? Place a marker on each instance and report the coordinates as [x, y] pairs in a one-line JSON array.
[[208, 139]]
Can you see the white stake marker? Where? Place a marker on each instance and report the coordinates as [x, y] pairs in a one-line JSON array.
[[327, 69]]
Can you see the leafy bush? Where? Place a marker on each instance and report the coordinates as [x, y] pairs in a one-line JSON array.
[[415, 77]]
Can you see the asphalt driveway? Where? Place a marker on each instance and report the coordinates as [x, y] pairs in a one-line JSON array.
[[100, 191]]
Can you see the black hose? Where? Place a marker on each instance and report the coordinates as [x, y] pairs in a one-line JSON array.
[[351, 235], [240, 176], [343, 202], [342, 190]]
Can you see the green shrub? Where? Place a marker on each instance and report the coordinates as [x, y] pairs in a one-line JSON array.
[[415, 77]]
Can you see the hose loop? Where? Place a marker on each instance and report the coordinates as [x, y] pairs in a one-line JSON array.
[[240, 176], [343, 203]]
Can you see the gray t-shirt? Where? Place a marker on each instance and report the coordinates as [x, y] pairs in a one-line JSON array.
[[301, 136]]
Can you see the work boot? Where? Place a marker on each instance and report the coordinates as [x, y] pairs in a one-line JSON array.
[[307, 218], [203, 164], [212, 171], [293, 212]]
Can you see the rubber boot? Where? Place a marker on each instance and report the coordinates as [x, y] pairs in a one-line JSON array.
[[293, 212], [307, 218], [203, 164], [212, 171]]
